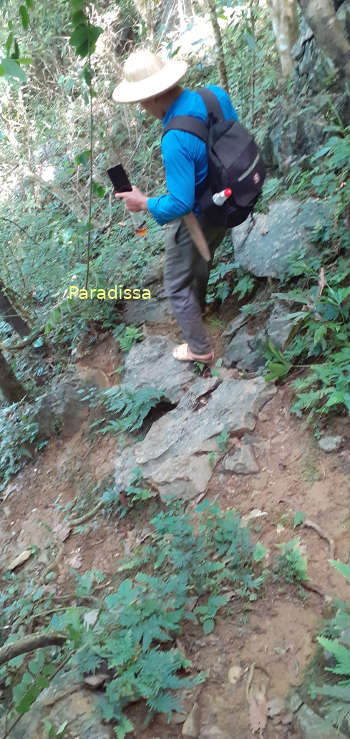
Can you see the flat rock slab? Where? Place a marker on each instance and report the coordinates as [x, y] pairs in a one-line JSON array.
[[177, 453], [286, 227], [151, 364]]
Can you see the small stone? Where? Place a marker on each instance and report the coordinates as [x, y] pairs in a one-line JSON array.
[[234, 674], [20, 559], [255, 513], [212, 732], [242, 462], [330, 444], [191, 725], [275, 706]]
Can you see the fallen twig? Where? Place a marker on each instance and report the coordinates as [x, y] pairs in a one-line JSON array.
[[311, 525], [22, 344], [86, 516]]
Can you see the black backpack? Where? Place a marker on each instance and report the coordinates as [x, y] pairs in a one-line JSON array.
[[234, 161]]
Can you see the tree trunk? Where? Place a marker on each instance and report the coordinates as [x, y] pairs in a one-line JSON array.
[[285, 28], [10, 387], [328, 32], [218, 40], [10, 314]]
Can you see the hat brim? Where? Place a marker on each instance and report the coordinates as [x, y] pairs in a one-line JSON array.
[[155, 84]]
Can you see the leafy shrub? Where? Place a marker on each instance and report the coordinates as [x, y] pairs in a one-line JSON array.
[[17, 434], [291, 565], [321, 329]]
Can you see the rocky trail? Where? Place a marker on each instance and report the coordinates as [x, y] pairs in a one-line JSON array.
[[270, 468]]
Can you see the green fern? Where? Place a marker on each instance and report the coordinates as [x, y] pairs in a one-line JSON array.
[[338, 707], [130, 406]]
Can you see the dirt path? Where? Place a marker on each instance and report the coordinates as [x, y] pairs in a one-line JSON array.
[[277, 633]]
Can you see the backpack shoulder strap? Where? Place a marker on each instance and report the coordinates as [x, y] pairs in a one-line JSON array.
[[211, 102], [189, 124]]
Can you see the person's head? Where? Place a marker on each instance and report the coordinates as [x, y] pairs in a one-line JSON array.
[[158, 106], [150, 81]]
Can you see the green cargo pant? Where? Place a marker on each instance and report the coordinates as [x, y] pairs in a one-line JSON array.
[[186, 276]]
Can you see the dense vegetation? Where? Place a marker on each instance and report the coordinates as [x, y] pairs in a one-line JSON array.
[[59, 225]]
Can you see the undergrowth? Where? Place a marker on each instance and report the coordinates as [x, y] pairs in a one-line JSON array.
[[18, 434], [319, 341], [335, 640], [192, 566]]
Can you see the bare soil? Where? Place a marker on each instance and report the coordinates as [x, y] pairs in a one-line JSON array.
[[270, 641]]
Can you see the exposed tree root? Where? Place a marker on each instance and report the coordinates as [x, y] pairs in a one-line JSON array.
[[311, 525]]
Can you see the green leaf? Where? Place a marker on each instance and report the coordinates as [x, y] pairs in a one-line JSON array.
[[259, 552], [9, 43], [31, 695], [208, 626], [344, 569], [77, 5], [124, 728], [12, 69], [299, 518], [79, 35], [98, 189], [83, 157], [79, 17], [24, 15], [250, 41]]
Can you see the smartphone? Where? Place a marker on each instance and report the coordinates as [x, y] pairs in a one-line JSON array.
[[119, 178]]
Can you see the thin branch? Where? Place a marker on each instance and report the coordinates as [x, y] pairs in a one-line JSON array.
[[30, 643], [22, 344], [2, 218]]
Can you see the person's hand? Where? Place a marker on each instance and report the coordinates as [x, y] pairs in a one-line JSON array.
[[134, 200]]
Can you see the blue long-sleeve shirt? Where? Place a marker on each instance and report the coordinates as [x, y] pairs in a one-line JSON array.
[[185, 157]]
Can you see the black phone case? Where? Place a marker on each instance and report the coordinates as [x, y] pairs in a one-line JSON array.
[[119, 178]]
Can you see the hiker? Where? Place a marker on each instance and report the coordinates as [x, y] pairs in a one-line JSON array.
[[153, 83]]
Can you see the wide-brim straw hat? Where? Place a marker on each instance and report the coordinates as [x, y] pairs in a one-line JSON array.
[[147, 75]]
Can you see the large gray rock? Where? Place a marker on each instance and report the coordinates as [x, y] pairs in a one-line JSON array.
[[151, 364], [245, 351], [279, 324], [176, 455], [157, 308], [275, 236], [154, 310], [65, 700], [63, 408], [314, 726]]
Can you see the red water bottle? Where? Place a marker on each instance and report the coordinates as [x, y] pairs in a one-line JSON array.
[[219, 198]]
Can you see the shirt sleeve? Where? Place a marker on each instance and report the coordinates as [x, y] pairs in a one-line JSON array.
[[180, 180]]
